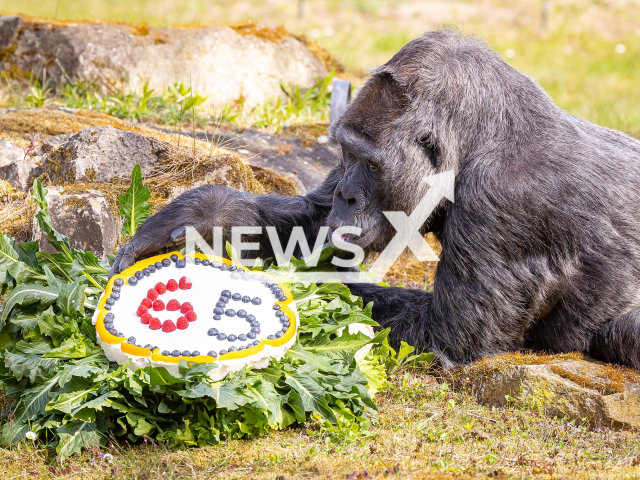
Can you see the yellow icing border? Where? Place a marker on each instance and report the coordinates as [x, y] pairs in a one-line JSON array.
[[156, 356]]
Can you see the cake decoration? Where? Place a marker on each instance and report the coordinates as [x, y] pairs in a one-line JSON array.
[[197, 308]]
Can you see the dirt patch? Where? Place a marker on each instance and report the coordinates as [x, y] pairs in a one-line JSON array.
[[273, 182]]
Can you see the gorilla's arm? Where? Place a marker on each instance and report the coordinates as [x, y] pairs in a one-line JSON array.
[[211, 206]]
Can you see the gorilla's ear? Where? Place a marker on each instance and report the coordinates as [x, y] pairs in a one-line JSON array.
[[431, 150]]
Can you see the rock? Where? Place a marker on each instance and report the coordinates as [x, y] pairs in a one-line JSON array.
[[83, 217], [605, 395], [221, 63], [101, 154], [302, 160], [15, 168]]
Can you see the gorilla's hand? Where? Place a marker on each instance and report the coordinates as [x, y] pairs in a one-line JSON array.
[[202, 208]]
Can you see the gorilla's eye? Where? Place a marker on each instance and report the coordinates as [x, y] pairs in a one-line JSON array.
[[350, 156], [430, 150], [373, 166]]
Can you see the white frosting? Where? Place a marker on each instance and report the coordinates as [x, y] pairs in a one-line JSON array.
[[207, 285]]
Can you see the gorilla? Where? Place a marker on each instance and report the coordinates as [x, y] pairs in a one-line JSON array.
[[541, 249]]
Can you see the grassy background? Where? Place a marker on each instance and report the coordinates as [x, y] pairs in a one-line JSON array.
[[570, 49]]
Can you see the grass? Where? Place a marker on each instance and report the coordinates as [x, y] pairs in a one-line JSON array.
[[424, 430]]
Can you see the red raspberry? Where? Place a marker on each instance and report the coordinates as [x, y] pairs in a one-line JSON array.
[[161, 288], [172, 285], [141, 310], [185, 283], [185, 307], [146, 318], [191, 316], [154, 324], [146, 303], [168, 326], [158, 305], [152, 294], [182, 323], [173, 305]]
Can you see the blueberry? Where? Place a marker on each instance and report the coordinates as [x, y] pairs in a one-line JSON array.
[[276, 307], [257, 342], [246, 276], [235, 276], [218, 311], [166, 353], [255, 330], [166, 262], [197, 261], [115, 295], [230, 312], [107, 307], [242, 313], [188, 260], [217, 317], [174, 258], [246, 299], [241, 347], [212, 353], [251, 335], [118, 282], [108, 324], [224, 299], [212, 332], [139, 275], [242, 337], [223, 351], [271, 337], [279, 333], [268, 284], [159, 265], [116, 288], [279, 313], [251, 318], [255, 278], [232, 338], [232, 268], [255, 324], [226, 293], [215, 264], [221, 336], [206, 262], [262, 278], [145, 272], [282, 298], [285, 326], [186, 353], [149, 346], [256, 300], [109, 317], [221, 304], [175, 353], [111, 301], [232, 349], [223, 267], [181, 264], [236, 297], [274, 287], [152, 268], [195, 353]]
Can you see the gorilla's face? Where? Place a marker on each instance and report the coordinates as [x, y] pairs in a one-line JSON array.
[[379, 155]]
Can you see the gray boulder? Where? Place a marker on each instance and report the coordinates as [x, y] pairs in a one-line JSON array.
[[83, 217], [99, 154], [604, 395], [15, 168], [221, 63]]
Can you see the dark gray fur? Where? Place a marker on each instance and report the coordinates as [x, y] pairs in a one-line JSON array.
[[541, 248]]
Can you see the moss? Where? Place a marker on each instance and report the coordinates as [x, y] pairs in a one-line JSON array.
[[265, 32], [273, 182], [312, 131], [91, 175], [76, 203]]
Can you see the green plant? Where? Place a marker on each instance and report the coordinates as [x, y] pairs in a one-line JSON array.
[[38, 94], [134, 208], [72, 397]]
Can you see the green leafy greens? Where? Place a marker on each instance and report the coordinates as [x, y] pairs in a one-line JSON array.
[[65, 390]]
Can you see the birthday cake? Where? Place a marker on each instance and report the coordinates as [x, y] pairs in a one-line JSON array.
[[197, 308]]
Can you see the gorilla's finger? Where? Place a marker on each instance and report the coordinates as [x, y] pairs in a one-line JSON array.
[[125, 257], [178, 235]]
